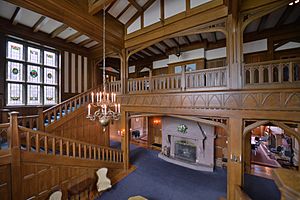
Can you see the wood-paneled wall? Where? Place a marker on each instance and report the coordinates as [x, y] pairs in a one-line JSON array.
[[75, 74], [79, 128], [5, 182]]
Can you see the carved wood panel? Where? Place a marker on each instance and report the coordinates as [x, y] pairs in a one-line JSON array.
[[5, 182], [278, 100]]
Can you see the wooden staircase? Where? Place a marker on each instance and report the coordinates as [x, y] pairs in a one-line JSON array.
[[34, 163]]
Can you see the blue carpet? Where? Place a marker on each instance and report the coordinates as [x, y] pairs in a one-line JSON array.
[[156, 179], [259, 188]]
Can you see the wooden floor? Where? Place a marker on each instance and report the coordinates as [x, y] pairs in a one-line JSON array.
[[262, 171]]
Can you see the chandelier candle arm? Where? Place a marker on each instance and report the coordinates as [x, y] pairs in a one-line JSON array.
[[106, 107]]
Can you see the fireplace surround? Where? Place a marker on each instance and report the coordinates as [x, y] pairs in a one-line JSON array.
[[193, 149]]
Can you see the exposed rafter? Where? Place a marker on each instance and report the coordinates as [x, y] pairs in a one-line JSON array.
[[39, 24], [14, 18], [136, 5], [186, 40], [145, 7], [285, 15], [96, 6], [149, 52], [200, 36], [85, 42], [165, 44], [158, 49], [175, 41], [123, 11], [59, 30], [73, 37], [262, 23], [214, 34]]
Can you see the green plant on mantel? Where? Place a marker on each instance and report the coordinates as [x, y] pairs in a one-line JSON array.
[[182, 128]]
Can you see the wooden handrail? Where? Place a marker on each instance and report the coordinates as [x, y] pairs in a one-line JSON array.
[[67, 147], [273, 62]]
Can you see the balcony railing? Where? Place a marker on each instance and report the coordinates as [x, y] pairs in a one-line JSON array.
[[215, 78], [278, 73]]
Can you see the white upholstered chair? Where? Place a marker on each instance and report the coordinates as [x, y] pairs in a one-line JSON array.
[[103, 183], [56, 195]]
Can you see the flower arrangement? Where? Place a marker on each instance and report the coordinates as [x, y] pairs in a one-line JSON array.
[[182, 128]]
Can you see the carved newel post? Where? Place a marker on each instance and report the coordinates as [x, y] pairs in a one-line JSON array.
[[14, 143]]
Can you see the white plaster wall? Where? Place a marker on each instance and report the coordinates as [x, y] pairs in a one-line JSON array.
[[195, 3], [215, 53], [136, 25], [289, 45], [204, 155], [188, 55], [255, 46], [152, 14], [173, 7], [160, 63], [131, 69]]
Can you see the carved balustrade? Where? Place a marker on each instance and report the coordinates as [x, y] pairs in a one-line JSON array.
[[278, 73], [114, 87]]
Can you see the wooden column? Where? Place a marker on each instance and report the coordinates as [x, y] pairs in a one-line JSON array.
[[234, 53], [14, 141], [125, 139], [235, 167], [41, 125], [124, 71], [247, 153]]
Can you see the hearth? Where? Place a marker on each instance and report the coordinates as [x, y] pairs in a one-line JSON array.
[[185, 151]]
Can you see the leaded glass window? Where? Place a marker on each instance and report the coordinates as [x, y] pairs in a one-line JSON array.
[[34, 55], [34, 94], [50, 95], [14, 71], [50, 59], [31, 74], [49, 76], [15, 94]]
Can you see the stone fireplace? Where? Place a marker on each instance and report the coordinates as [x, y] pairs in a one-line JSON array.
[[193, 149]]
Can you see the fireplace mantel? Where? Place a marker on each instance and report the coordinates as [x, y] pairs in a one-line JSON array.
[[199, 158]]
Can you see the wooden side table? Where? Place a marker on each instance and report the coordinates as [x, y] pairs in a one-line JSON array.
[[80, 187]]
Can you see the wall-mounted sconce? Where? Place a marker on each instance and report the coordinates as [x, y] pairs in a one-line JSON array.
[[156, 121], [235, 158]]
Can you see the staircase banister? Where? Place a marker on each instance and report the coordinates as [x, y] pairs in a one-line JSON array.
[[273, 62], [4, 125], [71, 99], [24, 129]]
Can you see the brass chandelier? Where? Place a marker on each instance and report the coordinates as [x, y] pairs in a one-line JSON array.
[[105, 103]]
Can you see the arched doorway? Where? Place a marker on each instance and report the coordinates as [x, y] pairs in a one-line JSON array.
[[268, 145]]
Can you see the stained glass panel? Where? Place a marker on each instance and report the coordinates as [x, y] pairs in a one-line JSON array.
[[49, 59], [33, 74], [14, 71], [15, 94], [49, 76], [49, 95], [15, 51], [34, 55], [33, 95]]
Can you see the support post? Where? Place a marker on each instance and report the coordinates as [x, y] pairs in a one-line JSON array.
[[235, 166], [125, 139], [124, 71], [41, 125], [15, 157]]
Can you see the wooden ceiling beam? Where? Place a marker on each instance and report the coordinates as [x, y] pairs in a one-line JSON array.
[[77, 17], [175, 41], [59, 30], [149, 52], [214, 35], [73, 37], [14, 18], [138, 55], [136, 5], [85, 42], [200, 36], [25, 32], [97, 6], [158, 49], [262, 23], [285, 15], [186, 40], [123, 11], [145, 7], [165, 44], [143, 54], [39, 24]]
